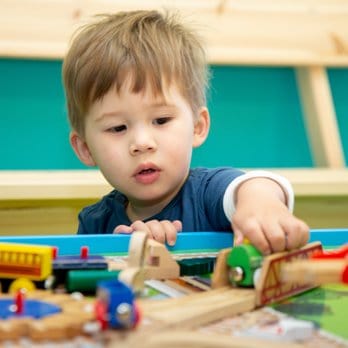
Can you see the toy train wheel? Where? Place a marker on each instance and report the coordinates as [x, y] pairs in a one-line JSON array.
[[21, 283]]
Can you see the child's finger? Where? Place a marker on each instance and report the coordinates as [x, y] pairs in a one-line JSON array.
[[178, 225], [297, 233], [139, 225], [257, 237], [170, 231], [156, 231], [237, 237], [305, 234], [123, 229], [252, 230], [276, 237]]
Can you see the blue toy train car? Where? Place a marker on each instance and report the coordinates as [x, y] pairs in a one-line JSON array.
[[115, 305]]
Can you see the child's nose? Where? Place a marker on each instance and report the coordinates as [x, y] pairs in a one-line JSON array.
[[142, 142]]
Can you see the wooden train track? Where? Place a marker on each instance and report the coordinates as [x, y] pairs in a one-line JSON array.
[[204, 307], [69, 323], [201, 308], [147, 260]]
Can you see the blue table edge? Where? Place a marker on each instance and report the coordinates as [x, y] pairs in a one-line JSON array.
[[104, 244]]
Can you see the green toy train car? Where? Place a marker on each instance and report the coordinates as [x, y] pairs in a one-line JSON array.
[[245, 265]]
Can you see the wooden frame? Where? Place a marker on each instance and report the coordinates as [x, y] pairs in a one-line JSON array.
[[90, 184], [309, 36], [251, 32], [48, 202]]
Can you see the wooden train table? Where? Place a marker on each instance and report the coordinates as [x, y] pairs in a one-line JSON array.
[[186, 312]]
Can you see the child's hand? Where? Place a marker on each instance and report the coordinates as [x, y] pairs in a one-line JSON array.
[[266, 222], [161, 231]]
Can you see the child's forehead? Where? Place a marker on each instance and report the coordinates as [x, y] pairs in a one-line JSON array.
[[158, 93], [125, 99]]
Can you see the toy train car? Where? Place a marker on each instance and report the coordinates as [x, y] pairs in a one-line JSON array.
[[244, 263], [62, 266], [21, 265], [115, 305], [36, 266]]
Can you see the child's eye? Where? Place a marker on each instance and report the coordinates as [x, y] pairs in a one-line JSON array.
[[161, 120], [118, 129]]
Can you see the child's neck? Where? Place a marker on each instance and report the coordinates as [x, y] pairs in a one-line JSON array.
[[137, 210], [143, 212]]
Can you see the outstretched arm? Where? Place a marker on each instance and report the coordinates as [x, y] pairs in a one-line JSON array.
[[263, 214]]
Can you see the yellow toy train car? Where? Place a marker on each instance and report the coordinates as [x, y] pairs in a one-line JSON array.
[[23, 264]]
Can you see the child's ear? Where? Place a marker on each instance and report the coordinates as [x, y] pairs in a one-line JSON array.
[[81, 149], [202, 126]]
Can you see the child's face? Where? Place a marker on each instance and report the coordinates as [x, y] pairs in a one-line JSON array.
[[142, 143]]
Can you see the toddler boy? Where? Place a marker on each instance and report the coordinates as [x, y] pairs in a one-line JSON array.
[[135, 86]]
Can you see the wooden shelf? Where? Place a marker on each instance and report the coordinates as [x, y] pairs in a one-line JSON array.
[[247, 32], [308, 35], [52, 185], [48, 202], [90, 184]]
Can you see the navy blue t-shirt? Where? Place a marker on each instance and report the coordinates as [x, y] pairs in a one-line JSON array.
[[198, 205]]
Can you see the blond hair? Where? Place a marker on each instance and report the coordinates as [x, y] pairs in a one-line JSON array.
[[154, 47]]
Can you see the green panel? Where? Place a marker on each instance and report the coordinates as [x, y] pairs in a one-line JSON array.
[[339, 82], [34, 128], [256, 118]]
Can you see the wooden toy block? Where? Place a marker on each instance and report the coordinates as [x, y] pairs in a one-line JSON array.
[[327, 266], [136, 249], [220, 276], [148, 259], [159, 263], [270, 287], [133, 276]]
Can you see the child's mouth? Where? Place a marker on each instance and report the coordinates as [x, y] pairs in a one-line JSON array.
[[147, 171], [147, 176]]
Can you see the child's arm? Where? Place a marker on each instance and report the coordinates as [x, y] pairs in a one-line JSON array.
[[262, 213]]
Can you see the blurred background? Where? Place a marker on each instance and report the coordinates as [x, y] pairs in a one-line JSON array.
[[277, 98]]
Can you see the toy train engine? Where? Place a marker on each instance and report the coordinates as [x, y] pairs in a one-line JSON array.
[[115, 305], [245, 265]]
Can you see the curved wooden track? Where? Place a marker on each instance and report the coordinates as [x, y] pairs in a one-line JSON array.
[[76, 312]]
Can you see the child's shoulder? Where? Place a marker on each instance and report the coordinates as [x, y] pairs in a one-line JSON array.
[[105, 204], [203, 173]]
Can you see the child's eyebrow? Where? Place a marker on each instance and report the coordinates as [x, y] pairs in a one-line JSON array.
[[117, 113], [108, 114], [163, 105]]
